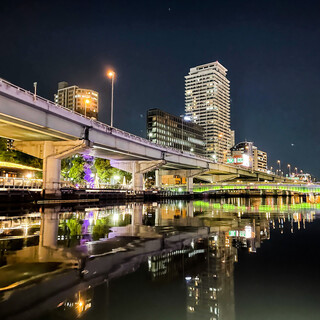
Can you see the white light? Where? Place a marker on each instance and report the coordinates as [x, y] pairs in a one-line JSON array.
[[246, 161], [115, 217], [248, 231]]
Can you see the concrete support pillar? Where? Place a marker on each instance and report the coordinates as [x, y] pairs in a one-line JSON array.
[[137, 214], [189, 184], [48, 232], [52, 152], [137, 169], [136, 220], [158, 215], [51, 170], [190, 209], [158, 179], [137, 177]]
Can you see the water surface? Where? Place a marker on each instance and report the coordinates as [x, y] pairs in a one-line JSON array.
[[219, 259]]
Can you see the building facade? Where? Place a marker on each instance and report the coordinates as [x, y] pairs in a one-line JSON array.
[[247, 155], [207, 102], [173, 131], [84, 101], [260, 160]]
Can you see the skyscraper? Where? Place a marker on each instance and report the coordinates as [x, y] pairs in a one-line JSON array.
[[84, 101], [207, 102]]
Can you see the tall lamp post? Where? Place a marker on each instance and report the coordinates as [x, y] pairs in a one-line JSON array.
[[279, 163], [183, 118], [111, 75], [86, 102], [289, 170]]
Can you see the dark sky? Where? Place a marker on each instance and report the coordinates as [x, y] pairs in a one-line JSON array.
[[271, 49]]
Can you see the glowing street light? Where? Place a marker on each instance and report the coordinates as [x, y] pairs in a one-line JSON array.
[[183, 118], [86, 102], [111, 74], [289, 169], [279, 163]]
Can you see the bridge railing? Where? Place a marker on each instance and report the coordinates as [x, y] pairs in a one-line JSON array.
[[20, 183], [106, 127]]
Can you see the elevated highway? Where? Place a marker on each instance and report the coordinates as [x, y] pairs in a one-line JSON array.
[[49, 131]]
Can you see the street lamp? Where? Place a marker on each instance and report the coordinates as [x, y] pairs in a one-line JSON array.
[[86, 102], [289, 169], [279, 163], [296, 170], [111, 75], [183, 118]]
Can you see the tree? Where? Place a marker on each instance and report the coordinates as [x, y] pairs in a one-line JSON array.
[[106, 172], [76, 172], [66, 165]]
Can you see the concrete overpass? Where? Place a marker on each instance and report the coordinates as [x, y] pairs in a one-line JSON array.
[[49, 131]]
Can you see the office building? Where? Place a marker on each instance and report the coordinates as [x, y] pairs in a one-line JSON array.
[[260, 160], [84, 101], [207, 102], [173, 131], [247, 155]]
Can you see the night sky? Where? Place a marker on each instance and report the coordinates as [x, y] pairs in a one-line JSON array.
[[271, 49]]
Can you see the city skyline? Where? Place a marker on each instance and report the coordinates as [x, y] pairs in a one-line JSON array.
[[267, 49]]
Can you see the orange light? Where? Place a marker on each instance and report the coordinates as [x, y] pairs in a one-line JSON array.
[[87, 101], [110, 74]]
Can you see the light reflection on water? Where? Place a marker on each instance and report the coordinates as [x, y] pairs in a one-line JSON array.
[[193, 245]]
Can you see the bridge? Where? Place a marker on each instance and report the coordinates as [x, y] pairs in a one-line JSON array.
[[295, 188], [43, 129]]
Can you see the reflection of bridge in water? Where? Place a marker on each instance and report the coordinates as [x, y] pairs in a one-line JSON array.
[[161, 234]]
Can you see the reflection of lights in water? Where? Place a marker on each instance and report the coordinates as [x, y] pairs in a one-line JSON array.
[[115, 217]]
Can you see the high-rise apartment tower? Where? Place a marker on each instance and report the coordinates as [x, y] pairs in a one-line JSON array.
[[80, 100], [207, 102]]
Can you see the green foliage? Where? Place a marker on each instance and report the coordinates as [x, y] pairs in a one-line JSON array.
[[74, 226], [76, 172], [66, 165], [101, 229], [106, 172]]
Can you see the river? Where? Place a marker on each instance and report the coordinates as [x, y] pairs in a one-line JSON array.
[[235, 258]]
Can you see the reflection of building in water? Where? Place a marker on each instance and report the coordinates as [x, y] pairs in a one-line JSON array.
[[171, 264], [210, 293]]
